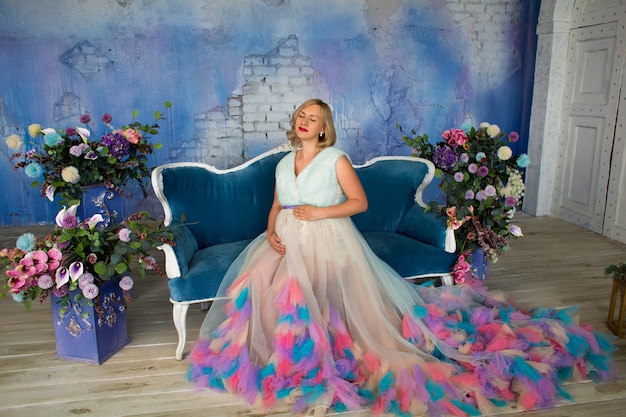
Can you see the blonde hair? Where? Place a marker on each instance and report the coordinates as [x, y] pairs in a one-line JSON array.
[[329, 138]]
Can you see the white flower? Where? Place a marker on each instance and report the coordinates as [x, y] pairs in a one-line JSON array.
[[70, 174], [504, 153], [94, 220], [493, 131], [484, 125], [34, 130], [65, 212], [83, 133], [14, 142], [90, 291], [515, 230], [50, 189]]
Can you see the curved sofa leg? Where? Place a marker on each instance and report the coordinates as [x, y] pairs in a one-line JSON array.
[[179, 312], [447, 279]]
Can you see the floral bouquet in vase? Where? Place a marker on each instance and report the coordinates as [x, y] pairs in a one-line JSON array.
[[70, 159], [81, 255], [483, 184]]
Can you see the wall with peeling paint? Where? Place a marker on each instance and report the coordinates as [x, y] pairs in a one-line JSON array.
[[235, 70]]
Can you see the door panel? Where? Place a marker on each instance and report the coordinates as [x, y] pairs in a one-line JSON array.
[[590, 111]]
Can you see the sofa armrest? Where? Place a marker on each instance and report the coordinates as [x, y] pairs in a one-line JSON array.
[[427, 227], [177, 258]]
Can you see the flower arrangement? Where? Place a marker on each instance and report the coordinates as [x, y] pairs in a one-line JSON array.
[[483, 184], [80, 254], [71, 158]]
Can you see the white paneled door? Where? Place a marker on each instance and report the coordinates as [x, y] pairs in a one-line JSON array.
[[591, 176]]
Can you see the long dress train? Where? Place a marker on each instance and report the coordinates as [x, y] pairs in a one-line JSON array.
[[331, 323]]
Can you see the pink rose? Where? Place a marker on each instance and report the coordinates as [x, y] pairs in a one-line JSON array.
[[132, 135]]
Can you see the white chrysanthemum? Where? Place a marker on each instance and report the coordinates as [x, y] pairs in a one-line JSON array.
[[14, 142], [493, 131], [504, 153], [70, 174], [34, 130], [484, 125]]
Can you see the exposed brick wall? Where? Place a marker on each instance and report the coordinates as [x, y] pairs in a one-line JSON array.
[[489, 26], [257, 116]]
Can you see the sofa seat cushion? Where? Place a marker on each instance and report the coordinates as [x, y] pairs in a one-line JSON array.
[[206, 270], [409, 257]]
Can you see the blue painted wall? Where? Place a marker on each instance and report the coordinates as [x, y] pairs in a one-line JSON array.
[[420, 63]]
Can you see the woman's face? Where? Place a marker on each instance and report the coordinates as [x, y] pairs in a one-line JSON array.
[[309, 124]]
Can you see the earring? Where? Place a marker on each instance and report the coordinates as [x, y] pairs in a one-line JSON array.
[[321, 136]]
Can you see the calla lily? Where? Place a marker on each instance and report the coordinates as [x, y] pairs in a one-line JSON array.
[[62, 276], [94, 220], [76, 270], [83, 133], [50, 192], [48, 130], [64, 213], [515, 230]]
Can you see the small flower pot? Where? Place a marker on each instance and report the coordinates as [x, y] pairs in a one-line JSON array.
[[91, 332]]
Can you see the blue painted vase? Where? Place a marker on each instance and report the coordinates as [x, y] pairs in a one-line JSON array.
[[91, 331], [480, 264], [98, 199]]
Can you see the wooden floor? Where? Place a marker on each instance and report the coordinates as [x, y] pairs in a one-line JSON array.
[[555, 264]]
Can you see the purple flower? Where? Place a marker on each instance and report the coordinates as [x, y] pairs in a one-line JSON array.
[[464, 158], [117, 144], [490, 190], [482, 171], [70, 131], [91, 155], [126, 283], [77, 150], [458, 176], [444, 157], [84, 119], [84, 279], [469, 195], [60, 292], [510, 201], [106, 118], [513, 137], [472, 168], [45, 281], [70, 222], [481, 196], [91, 291]]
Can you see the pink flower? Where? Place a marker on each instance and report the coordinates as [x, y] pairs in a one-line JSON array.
[[126, 283], [124, 234], [513, 137], [454, 137], [458, 176], [132, 135]]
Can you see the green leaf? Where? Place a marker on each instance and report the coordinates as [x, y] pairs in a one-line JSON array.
[[157, 115], [100, 268], [121, 268]]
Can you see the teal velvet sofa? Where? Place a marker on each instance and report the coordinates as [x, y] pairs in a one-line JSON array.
[[218, 212]]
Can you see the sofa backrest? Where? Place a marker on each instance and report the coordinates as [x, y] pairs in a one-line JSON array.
[[222, 206], [219, 206], [393, 185]]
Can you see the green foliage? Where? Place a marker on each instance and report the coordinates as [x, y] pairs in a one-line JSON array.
[[616, 271]]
